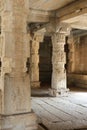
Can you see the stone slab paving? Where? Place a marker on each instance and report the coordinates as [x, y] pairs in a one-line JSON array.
[[62, 113]]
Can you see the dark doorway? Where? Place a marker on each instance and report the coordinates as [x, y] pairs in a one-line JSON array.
[[45, 63]]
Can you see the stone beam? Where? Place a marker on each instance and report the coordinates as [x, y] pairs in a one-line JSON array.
[[74, 9], [79, 32], [39, 16]]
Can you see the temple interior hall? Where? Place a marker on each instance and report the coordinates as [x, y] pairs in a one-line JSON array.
[[51, 111], [43, 64]]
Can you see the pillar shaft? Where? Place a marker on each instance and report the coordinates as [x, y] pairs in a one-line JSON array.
[[35, 60], [14, 80], [58, 62]]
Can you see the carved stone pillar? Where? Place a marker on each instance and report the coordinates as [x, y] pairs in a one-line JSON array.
[[59, 61], [34, 63], [15, 106]]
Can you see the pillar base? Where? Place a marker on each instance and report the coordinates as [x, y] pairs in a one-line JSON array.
[[35, 84], [58, 92], [19, 122]]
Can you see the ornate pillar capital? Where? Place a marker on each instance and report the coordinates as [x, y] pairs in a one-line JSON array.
[[63, 28], [58, 27], [36, 37]]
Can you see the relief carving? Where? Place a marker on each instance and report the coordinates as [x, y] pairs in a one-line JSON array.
[[58, 47], [58, 37], [63, 28], [7, 65], [58, 68]]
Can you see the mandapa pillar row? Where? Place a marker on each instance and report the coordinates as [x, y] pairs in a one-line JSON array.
[[15, 106], [59, 61]]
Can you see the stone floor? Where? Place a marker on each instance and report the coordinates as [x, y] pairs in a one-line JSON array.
[[61, 113]]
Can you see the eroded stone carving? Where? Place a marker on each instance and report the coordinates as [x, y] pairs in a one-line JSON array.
[[7, 65], [64, 28]]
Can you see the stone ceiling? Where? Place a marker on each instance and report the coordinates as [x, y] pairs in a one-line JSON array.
[[73, 12], [48, 5]]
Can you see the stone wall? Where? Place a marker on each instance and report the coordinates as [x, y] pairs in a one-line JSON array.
[[77, 68], [81, 56]]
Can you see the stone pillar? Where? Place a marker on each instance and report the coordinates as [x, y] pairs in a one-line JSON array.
[[59, 61], [15, 106], [34, 62]]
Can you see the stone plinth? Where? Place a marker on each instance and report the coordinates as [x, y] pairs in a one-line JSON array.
[[26, 121], [55, 92]]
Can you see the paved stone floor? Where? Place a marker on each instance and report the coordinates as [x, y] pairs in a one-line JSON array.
[[61, 113]]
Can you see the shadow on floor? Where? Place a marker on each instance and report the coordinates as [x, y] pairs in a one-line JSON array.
[[43, 91], [40, 92]]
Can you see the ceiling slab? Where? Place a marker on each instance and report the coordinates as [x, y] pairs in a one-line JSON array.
[[48, 5], [79, 22], [77, 8]]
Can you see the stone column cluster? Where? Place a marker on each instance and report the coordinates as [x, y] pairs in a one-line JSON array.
[[15, 106], [59, 61], [34, 62]]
